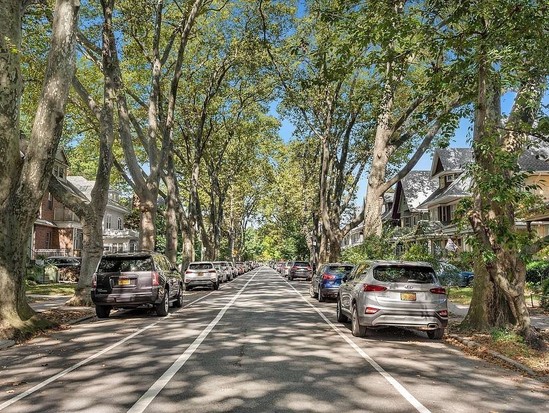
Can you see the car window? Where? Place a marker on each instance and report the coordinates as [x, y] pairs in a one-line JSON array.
[[405, 274], [124, 264], [340, 269], [201, 266], [359, 271], [301, 264]]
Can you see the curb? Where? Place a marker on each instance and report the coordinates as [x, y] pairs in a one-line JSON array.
[[79, 320], [507, 360], [4, 344]]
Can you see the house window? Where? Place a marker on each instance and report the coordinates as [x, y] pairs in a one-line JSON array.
[[50, 201], [445, 214], [119, 223], [48, 240], [108, 221]]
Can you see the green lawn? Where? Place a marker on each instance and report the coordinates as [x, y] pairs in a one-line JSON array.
[[460, 295], [51, 289]]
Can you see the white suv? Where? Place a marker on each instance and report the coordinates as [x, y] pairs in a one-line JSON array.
[[201, 274]]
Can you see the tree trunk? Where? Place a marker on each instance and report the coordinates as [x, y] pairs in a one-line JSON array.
[[23, 183]]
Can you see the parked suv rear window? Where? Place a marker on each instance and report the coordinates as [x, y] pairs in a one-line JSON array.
[[123, 264], [205, 266], [301, 264], [404, 274]]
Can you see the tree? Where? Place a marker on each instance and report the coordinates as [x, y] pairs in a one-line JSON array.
[[26, 172], [508, 44]]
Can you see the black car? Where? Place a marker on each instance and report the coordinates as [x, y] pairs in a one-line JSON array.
[[300, 269], [128, 280]]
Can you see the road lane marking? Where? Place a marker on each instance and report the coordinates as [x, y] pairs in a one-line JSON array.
[[86, 361], [74, 367], [147, 398], [399, 387]]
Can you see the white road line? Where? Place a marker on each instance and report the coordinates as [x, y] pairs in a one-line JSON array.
[[86, 361], [399, 387], [157, 386], [77, 365]]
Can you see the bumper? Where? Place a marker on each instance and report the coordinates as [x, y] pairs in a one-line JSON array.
[[420, 319], [329, 291], [125, 300], [305, 275], [200, 283]]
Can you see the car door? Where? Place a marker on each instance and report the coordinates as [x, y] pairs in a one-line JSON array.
[[347, 288]]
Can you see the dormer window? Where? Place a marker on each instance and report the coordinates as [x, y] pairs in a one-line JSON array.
[[450, 178]]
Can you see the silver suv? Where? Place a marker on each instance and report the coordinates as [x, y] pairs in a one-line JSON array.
[[201, 274], [393, 293]]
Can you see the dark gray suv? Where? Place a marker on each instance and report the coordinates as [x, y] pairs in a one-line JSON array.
[[128, 280]]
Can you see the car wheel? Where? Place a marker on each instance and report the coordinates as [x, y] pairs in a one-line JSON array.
[[435, 334], [215, 286], [290, 278], [163, 306], [357, 329], [320, 297], [341, 318], [179, 298], [102, 311]]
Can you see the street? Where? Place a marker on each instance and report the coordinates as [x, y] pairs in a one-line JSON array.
[[258, 344]]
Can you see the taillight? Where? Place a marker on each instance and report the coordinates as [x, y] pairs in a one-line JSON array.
[[188, 272], [443, 313], [94, 281], [293, 269], [155, 279], [438, 290], [328, 277], [373, 287], [371, 310], [309, 269]]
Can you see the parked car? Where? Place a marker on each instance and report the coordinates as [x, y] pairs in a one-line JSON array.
[[223, 271], [328, 278], [300, 269], [68, 267], [393, 293], [201, 274], [127, 280], [286, 268], [450, 275]]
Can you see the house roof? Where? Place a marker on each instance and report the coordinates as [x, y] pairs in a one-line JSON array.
[[456, 159], [457, 189], [85, 186], [417, 187]]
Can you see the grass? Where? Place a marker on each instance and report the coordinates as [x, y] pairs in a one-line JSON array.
[[51, 289], [460, 295]]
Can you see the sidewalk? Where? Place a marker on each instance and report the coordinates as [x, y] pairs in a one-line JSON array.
[[538, 321]]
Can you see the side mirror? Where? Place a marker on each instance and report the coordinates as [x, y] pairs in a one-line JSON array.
[[344, 279]]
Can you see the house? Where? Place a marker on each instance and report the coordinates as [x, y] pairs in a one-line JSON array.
[[448, 169], [116, 238], [410, 193], [58, 231]]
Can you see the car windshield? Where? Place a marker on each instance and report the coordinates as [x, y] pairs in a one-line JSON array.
[[404, 274], [123, 264], [201, 266]]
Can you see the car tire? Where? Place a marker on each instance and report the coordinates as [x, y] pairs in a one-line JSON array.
[[102, 311], [162, 308], [356, 328], [178, 303], [312, 291], [436, 334], [341, 318], [290, 278], [215, 286], [320, 297]]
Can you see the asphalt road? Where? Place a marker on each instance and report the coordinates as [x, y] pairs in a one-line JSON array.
[[258, 344]]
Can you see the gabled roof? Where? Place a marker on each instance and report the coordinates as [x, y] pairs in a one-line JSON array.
[[85, 186], [457, 189], [451, 160], [417, 186]]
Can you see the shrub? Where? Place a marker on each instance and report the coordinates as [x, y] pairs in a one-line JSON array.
[[537, 271], [372, 248], [545, 294]]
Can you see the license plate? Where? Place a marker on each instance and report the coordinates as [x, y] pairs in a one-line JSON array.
[[123, 281], [408, 296]]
